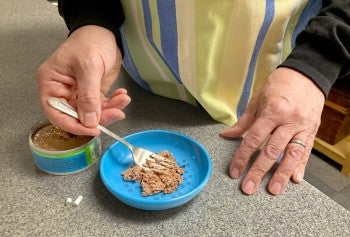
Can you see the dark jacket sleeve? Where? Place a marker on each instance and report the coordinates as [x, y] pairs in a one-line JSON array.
[[105, 13], [322, 50]]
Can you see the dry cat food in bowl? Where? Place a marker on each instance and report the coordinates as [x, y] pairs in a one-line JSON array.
[[58, 152], [190, 156]]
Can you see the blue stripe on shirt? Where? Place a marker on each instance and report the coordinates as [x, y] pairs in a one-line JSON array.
[[269, 14], [129, 65], [312, 8], [168, 33]]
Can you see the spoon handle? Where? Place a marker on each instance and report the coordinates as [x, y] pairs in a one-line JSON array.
[[64, 107]]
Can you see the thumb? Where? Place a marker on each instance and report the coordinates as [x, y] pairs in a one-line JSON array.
[[89, 100], [239, 128], [243, 123]]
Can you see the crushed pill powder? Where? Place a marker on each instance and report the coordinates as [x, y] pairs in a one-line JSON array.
[[155, 180]]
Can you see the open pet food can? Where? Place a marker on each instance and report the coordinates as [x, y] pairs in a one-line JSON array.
[[58, 152]]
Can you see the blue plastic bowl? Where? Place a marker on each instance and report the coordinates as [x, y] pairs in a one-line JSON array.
[[188, 153]]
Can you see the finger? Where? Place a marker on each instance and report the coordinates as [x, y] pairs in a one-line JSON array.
[[119, 101], [112, 108], [251, 142], [53, 83], [299, 171], [267, 158], [110, 116], [69, 124], [293, 154], [243, 124], [119, 91], [89, 77]]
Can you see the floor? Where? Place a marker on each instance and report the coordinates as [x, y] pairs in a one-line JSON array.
[[324, 174]]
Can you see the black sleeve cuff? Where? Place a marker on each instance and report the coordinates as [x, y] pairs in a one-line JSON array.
[[106, 13], [314, 65], [322, 50]]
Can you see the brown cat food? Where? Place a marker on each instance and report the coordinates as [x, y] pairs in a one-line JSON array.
[[155, 179], [52, 138]]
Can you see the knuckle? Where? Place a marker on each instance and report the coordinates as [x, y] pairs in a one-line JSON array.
[[252, 142], [271, 151], [295, 152], [88, 98], [240, 165], [89, 63], [303, 161], [257, 172], [305, 157], [240, 160], [260, 168], [280, 105], [283, 174]]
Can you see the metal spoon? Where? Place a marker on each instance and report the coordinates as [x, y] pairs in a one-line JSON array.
[[140, 155]]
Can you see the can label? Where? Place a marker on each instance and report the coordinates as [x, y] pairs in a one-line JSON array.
[[69, 162]]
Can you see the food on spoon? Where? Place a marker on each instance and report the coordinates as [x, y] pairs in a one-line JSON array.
[[161, 174]]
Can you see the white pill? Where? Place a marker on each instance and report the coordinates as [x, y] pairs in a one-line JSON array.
[[68, 201], [77, 201]]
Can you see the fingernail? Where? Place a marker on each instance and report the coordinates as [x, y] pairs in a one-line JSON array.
[[120, 117], [124, 103], [226, 130], [90, 119], [235, 173], [249, 187], [276, 188], [299, 176]]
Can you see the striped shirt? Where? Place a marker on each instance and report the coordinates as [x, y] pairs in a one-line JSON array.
[[212, 53]]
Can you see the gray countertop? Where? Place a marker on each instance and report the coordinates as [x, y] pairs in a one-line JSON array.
[[32, 202]]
